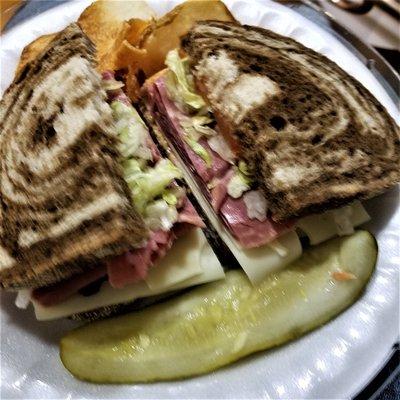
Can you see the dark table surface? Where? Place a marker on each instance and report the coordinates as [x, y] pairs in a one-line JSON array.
[[387, 385]]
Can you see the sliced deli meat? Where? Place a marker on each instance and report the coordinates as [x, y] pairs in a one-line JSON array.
[[140, 158], [54, 294], [169, 117], [220, 191], [250, 232], [132, 266], [214, 180], [189, 215]]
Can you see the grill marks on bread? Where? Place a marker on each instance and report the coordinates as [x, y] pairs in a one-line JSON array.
[[64, 203], [316, 137]]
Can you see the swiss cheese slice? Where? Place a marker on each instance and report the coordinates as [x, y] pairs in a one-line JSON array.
[[258, 262], [173, 269], [200, 252], [321, 227]]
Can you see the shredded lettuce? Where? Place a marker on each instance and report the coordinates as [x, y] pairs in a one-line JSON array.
[[131, 130], [180, 82], [160, 215], [145, 181], [112, 84], [122, 110], [238, 184], [196, 126], [170, 198], [172, 195], [199, 123], [222, 148], [133, 141], [152, 182], [132, 169], [199, 150], [181, 88], [243, 168]]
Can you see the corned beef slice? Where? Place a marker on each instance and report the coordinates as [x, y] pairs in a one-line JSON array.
[[248, 232]]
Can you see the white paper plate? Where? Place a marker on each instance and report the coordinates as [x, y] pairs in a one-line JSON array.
[[335, 361]]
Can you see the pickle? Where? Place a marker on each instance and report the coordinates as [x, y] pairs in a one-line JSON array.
[[218, 323]]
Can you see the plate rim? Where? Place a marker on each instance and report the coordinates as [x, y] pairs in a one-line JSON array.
[[391, 77], [381, 379], [54, 10]]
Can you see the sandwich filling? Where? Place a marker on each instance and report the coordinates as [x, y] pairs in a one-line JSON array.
[[159, 199], [191, 126]]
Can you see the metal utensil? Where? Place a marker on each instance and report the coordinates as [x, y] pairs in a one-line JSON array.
[[355, 6], [363, 6]]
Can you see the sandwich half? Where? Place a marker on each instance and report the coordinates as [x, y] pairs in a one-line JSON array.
[[64, 202], [269, 131], [313, 136], [92, 216]]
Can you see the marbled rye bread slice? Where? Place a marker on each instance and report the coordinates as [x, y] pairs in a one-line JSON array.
[[64, 203], [315, 137]]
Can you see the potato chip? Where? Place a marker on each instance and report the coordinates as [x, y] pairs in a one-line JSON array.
[[132, 85], [164, 34], [147, 43], [105, 21], [127, 36], [122, 53], [135, 31]]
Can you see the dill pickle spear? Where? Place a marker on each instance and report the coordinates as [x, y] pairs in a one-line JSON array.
[[218, 323]]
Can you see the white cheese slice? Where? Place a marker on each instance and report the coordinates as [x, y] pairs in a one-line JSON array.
[[321, 227], [105, 297], [278, 247], [257, 263], [175, 269], [342, 218], [261, 261], [211, 270]]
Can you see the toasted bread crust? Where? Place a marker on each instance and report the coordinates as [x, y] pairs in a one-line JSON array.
[[315, 136], [64, 203], [31, 51]]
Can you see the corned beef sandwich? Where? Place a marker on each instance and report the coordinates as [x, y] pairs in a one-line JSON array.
[[92, 217], [269, 131]]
